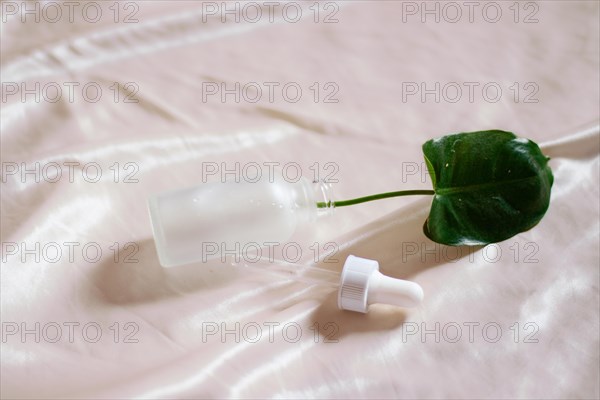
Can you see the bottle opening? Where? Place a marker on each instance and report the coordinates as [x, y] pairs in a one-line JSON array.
[[324, 197]]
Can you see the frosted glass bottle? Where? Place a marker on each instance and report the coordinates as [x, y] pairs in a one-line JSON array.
[[196, 224]]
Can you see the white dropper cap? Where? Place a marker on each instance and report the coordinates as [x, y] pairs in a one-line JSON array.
[[362, 284]]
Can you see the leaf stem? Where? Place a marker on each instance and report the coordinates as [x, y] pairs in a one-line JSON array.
[[379, 196]]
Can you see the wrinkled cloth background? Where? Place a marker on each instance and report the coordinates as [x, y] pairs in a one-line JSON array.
[[544, 280]]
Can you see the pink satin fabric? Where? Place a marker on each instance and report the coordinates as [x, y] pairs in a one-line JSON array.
[[514, 320]]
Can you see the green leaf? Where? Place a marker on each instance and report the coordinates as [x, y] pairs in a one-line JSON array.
[[489, 186]]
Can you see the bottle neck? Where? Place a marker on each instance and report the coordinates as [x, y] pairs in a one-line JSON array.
[[323, 193], [312, 200]]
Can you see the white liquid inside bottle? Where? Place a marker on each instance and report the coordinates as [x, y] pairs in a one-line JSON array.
[[202, 222]]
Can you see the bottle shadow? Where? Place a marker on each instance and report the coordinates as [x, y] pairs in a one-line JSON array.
[[398, 243], [135, 275]]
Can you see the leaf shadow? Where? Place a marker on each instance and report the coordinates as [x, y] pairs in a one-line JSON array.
[[398, 243]]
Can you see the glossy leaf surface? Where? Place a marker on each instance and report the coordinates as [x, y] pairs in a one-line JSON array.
[[489, 186]]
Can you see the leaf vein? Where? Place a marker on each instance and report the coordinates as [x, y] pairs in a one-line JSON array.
[[473, 188]]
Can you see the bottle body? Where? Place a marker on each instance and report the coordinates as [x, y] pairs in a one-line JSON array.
[[204, 222]]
